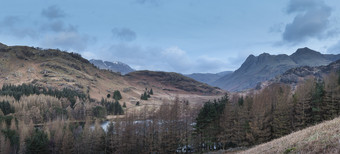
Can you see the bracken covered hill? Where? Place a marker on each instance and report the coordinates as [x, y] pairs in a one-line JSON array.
[[58, 69], [172, 82], [322, 138]]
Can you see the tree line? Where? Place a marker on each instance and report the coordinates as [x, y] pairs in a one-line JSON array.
[[259, 117], [46, 124], [162, 131]]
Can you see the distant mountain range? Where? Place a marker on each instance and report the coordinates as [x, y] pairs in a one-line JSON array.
[[264, 67], [208, 78], [113, 66], [253, 71]]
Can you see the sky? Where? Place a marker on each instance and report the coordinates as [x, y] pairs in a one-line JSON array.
[[185, 36]]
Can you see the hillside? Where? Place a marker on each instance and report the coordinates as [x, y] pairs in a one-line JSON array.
[[208, 78], [265, 67], [113, 66], [57, 69], [322, 138], [294, 75], [171, 82]]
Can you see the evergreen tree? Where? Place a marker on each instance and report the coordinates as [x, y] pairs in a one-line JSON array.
[[6, 108], [317, 96], [144, 96], [117, 95], [151, 92], [37, 143]]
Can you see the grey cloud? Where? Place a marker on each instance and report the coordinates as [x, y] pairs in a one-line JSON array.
[[10, 25], [124, 34], [71, 40], [210, 65], [53, 12], [10, 21], [171, 59], [303, 5], [312, 20], [57, 26], [334, 48]]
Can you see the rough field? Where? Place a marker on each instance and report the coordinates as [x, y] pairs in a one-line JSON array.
[[51, 68], [322, 138]]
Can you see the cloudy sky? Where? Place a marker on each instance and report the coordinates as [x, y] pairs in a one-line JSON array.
[[183, 36]]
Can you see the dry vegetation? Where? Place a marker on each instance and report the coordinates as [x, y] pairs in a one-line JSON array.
[[51, 68], [64, 94], [322, 138]]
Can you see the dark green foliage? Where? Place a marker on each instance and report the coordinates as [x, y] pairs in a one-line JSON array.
[[71, 95], [117, 95], [99, 112], [147, 94], [137, 104], [316, 101], [339, 77], [37, 143], [6, 108], [7, 119], [207, 120], [108, 95], [13, 137], [24, 89], [124, 105], [18, 91], [144, 96], [114, 108], [240, 101]]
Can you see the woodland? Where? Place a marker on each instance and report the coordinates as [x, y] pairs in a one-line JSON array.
[[38, 120]]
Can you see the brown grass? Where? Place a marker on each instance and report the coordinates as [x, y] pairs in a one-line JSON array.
[[322, 138]]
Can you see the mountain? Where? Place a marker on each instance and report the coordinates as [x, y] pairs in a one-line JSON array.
[[264, 67], [113, 66], [208, 78], [170, 81], [56, 69], [294, 75]]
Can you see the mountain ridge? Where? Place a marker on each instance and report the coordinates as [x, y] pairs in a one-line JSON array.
[[208, 78], [52, 68], [264, 67]]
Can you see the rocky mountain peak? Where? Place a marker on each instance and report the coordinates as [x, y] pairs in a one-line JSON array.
[[265, 66], [113, 66], [306, 52]]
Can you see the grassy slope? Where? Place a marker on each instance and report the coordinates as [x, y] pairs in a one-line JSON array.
[[53, 68], [322, 138]]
